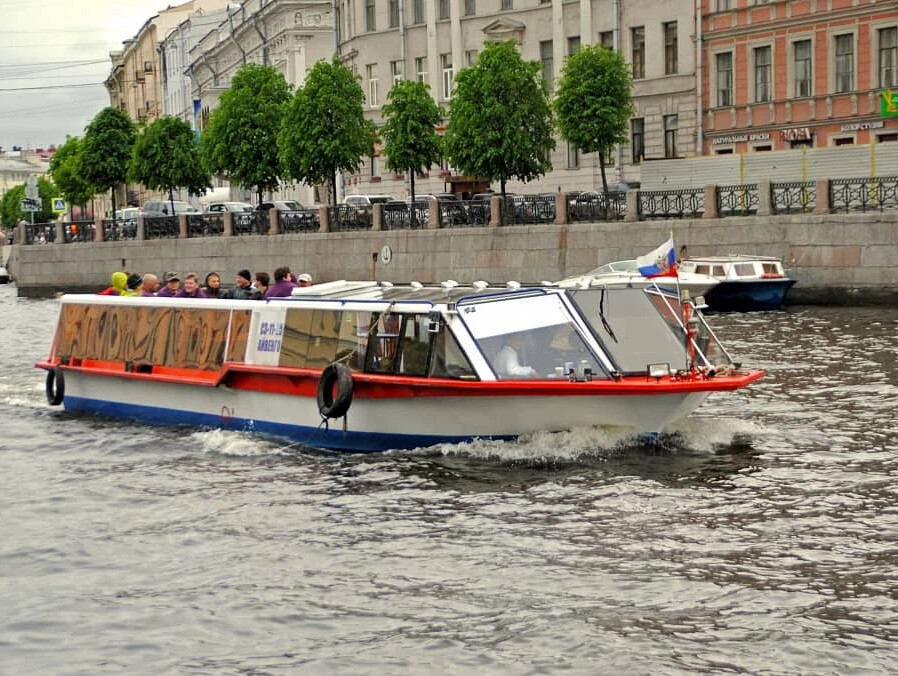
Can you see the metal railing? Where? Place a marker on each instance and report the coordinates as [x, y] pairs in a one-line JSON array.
[[304, 220], [737, 200], [528, 209], [597, 206], [205, 225], [40, 233], [796, 197], [458, 214], [120, 230], [348, 217], [250, 223], [863, 194], [80, 231], [401, 215], [161, 227], [687, 203]]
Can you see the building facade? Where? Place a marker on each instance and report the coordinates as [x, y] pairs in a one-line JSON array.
[[797, 73], [388, 40]]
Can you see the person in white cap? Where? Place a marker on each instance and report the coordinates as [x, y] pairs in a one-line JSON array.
[[305, 279]]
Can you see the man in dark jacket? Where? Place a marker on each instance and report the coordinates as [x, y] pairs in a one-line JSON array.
[[243, 287]]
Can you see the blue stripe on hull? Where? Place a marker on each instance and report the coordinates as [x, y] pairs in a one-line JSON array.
[[745, 296], [334, 438]]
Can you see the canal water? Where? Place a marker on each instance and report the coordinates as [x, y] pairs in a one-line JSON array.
[[762, 537]]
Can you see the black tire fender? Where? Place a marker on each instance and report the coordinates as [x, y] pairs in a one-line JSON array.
[[332, 405], [55, 386]]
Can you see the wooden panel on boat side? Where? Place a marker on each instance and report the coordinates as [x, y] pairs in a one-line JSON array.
[[240, 320]]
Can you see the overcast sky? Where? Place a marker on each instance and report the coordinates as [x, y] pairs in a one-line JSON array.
[[60, 44]]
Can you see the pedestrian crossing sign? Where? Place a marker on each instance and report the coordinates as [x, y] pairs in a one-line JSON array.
[[59, 206]]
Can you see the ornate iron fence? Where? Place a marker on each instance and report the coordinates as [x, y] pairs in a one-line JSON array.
[[161, 227], [401, 215], [349, 217], [40, 233], [456, 214], [795, 197], [80, 231], [305, 220], [597, 206], [120, 230], [528, 209], [205, 225], [863, 194], [688, 203], [737, 200]]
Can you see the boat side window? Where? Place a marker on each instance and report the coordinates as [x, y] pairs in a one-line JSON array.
[[718, 271], [315, 338], [324, 335], [447, 359], [772, 270], [414, 346], [381, 357], [744, 269], [703, 269]]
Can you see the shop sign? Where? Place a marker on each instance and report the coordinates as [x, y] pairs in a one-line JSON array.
[[740, 138], [860, 126], [796, 134], [888, 103]]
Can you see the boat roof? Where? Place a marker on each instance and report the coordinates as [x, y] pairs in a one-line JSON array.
[[730, 258], [439, 292]]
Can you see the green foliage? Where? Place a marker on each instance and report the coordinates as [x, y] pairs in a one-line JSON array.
[[106, 149], [325, 130], [46, 190], [10, 212], [594, 101], [240, 140], [65, 168], [410, 139], [500, 121], [167, 156]]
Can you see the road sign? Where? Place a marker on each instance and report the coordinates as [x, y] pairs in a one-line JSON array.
[[59, 205], [32, 204]]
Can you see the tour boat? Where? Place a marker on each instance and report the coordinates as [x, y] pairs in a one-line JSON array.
[[746, 282], [626, 274], [368, 366]]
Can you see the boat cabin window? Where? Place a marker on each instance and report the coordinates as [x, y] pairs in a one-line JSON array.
[[744, 269], [315, 338], [529, 337], [709, 350], [631, 329], [718, 271], [447, 359], [703, 269], [772, 270]]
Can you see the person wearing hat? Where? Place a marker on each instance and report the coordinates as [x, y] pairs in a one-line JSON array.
[[133, 285], [172, 284], [305, 279], [243, 287]]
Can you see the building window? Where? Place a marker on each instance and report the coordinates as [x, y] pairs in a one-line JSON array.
[[844, 141], [373, 170], [370, 23], [448, 75], [723, 151], [606, 39], [470, 57], [802, 50], [444, 9], [421, 69], [637, 139], [419, 11], [396, 71], [637, 39], [887, 138], [725, 79], [670, 48], [573, 45], [545, 57], [470, 7], [371, 72], [762, 149], [573, 156], [762, 74], [670, 136], [394, 13], [724, 5], [507, 4], [844, 63], [888, 57]]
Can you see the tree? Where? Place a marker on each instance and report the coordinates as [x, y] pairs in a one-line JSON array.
[[594, 101], [410, 139], [240, 140], [46, 190], [106, 150], [325, 130], [10, 206], [167, 156], [500, 121], [65, 168]]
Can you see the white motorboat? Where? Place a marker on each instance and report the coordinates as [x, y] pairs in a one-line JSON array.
[[625, 274], [746, 282]]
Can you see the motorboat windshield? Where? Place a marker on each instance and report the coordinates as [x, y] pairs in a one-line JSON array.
[[615, 268]]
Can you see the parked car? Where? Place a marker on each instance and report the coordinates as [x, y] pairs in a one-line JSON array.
[[294, 215], [243, 212], [156, 208], [365, 201]]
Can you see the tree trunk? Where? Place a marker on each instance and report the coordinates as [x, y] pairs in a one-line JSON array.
[[334, 187], [113, 206], [502, 206], [171, 200], [411, 206], [602, 167], [260, 196]]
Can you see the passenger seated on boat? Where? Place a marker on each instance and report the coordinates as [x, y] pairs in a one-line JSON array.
[[508, 360]]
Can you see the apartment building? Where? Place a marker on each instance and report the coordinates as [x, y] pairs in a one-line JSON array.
[[795, 73], [388, 40]]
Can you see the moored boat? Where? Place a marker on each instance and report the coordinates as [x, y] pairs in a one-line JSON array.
[[746, 282], [625, 274], [368, 366]]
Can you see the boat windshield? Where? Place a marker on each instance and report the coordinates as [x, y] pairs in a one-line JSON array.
[[526, 337], [617, 266]]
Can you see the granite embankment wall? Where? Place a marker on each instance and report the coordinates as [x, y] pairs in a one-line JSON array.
[[836, 258]]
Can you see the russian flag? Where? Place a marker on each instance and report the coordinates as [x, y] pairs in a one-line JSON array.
[[661, 262]]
